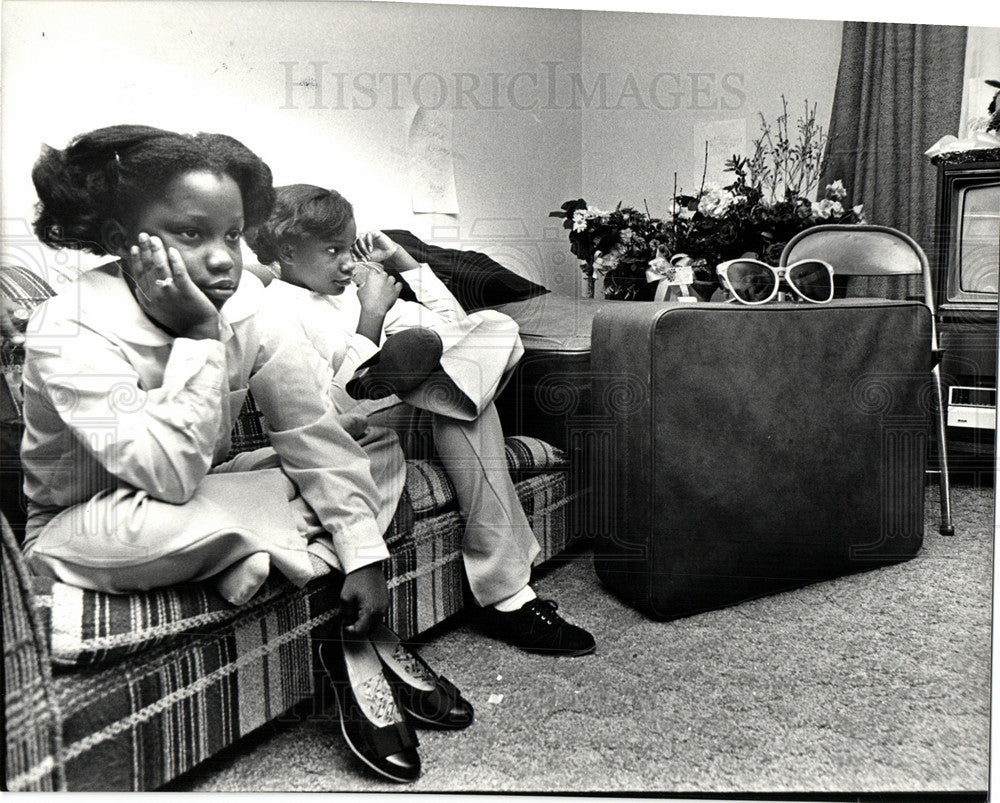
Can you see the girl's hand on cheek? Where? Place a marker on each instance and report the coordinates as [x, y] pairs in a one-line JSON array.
[[373, 246], [166, 293]]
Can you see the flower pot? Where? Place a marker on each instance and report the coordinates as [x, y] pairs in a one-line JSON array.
[[628, 288]]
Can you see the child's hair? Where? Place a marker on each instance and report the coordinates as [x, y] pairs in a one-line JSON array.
[[110, 173], [299, 210]]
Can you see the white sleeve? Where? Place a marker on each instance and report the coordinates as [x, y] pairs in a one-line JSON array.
[[359, 350], [159, 440], [437, 304], [291, 385]]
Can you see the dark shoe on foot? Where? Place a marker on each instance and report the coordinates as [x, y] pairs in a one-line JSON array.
[[373, 726], [427, 698], [536, 627], [405, 360]]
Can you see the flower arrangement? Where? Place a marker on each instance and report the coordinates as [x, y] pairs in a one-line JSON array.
[[616, 245], [768, 202]]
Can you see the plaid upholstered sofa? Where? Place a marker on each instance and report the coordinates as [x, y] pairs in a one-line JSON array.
[[125, 692]]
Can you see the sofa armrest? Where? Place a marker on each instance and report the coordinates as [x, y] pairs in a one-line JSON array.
[[33, 723]]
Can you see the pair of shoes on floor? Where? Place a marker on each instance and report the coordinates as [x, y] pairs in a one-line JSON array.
[[405, 360], [536, 627], [429, 699], [373, 678]]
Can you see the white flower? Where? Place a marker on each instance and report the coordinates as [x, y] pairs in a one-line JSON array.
[[715, 201], [603, 263], [579, 220], [836, 190], [825, 208], [859, 211]]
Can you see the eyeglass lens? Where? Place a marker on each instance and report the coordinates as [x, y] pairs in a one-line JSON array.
[[751, 282], [812, 280]]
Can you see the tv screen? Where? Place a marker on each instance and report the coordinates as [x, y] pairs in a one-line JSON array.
[[975, 264]]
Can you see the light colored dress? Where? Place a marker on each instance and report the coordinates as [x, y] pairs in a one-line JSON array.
[[127, 430]]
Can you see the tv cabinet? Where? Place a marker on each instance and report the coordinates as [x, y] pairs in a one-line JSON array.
[[966, 266]]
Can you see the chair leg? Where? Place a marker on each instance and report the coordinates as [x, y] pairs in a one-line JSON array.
[[947, 527]]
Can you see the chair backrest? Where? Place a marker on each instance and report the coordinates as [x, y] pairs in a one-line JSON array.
[[863, 250]]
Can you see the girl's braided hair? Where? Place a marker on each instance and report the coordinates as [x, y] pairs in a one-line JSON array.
[[299, 210], [111, 173]]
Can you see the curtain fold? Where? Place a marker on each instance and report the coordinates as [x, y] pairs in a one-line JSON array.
[[899, 90]]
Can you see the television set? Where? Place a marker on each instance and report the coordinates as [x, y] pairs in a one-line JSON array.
[[966, 264]]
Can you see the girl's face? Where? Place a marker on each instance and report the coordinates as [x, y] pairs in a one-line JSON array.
[[201, 215], [322, 264]]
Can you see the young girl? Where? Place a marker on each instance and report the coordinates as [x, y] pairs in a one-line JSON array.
[[312, 235], [131, 384]]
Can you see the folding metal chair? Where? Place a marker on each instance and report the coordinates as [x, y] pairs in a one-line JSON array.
[[877, 258]]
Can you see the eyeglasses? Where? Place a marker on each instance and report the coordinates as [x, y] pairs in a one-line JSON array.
[[753, 282]]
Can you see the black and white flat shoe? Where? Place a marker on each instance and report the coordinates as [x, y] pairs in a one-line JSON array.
[[373, 726], [428, 698]]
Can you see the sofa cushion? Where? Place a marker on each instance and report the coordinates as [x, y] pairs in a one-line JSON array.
[[159, 713], [476, 280], [91, 627]]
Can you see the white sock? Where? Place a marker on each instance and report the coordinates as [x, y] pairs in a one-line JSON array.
[[515, 601]]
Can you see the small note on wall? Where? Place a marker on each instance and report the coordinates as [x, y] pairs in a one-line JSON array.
[[725, 138], [431, 166]]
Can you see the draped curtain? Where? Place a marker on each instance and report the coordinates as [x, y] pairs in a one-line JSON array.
[[899, 90]]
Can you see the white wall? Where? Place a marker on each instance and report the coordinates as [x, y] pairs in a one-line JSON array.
[[689, 71], [218, 66], [522, 141]]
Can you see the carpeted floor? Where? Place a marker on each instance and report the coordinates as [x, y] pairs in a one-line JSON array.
[[873, 682]]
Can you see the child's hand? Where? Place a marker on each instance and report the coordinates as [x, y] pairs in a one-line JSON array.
[[364, 598], [378, 293], [374, 246], [166, 293]]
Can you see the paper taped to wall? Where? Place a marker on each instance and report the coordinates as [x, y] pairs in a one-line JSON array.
[[431, 166], [725, 139]]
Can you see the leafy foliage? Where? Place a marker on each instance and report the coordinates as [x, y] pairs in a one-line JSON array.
[[767, 203]]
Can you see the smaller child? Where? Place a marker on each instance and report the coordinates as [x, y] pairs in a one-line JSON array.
[[312, 235]]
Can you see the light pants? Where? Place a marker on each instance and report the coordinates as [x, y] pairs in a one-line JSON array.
[[245, 517], [498, 547], [478, 355]]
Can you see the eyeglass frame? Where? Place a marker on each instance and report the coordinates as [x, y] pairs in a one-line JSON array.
[[780, 274]]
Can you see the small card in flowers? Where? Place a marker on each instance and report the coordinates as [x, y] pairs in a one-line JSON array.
[[669, 272], [676, 274]]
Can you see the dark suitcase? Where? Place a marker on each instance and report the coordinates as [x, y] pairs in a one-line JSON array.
[[748, 450]]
